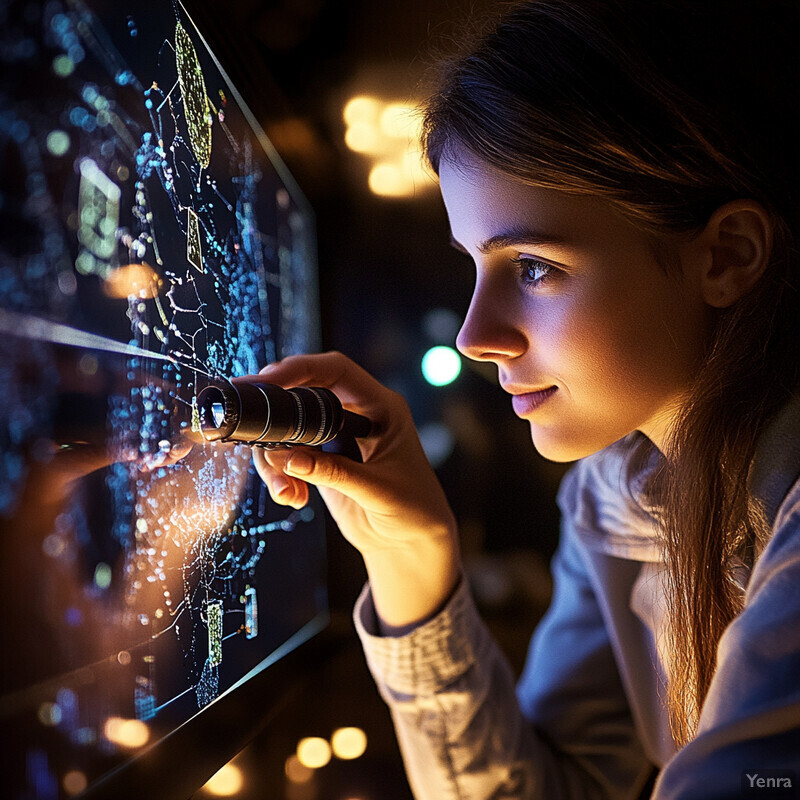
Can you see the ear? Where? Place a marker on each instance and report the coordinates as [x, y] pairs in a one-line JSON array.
[[736, 244]]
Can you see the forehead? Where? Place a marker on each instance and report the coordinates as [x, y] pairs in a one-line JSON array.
[[482, 202]]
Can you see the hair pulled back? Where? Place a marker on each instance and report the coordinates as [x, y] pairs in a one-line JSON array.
[[667, 109]]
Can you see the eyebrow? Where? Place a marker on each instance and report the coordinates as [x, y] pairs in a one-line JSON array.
[[511, 238]]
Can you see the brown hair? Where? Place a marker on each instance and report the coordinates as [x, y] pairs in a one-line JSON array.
[[667, 109]]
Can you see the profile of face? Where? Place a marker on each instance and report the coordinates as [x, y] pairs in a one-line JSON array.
[[589, 333]]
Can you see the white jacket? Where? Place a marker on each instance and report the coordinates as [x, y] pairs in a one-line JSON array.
[[587, 718]]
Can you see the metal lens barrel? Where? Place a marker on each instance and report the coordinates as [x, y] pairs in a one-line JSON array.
[[320, 415], [262, 413]]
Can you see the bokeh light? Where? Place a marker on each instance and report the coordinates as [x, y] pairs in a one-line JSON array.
[[126, 732], [296, 771], [362, 108], [441, 365], [389, 180], [226, 782], [400, 121], [387, 134], [349, 743], [49, 714], [313, 752], [132, 280], [74, 782]]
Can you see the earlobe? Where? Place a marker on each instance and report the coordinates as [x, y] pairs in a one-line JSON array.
[[738, 238]]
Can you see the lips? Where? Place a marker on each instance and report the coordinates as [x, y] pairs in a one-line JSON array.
[[526, 402]]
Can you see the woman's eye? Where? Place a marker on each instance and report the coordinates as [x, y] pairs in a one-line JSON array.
[[532, 271]]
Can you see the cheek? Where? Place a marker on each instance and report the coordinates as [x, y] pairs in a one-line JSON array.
[[605, 345]]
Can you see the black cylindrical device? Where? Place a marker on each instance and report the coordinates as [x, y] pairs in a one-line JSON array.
[[254, 412]]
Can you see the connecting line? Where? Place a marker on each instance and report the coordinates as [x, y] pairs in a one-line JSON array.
[[177, 355]]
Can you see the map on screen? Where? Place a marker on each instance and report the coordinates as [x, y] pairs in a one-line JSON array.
[[151, 241]]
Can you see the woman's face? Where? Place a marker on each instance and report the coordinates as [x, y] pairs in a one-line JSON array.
[[569, 298]]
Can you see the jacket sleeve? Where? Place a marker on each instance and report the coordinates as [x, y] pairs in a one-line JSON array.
[[463, 730], [749, 728]]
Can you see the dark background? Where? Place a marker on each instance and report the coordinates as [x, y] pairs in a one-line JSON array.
[[383, 264]]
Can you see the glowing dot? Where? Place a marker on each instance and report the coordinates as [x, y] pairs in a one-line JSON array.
[[361, 109], [74, 782], [297, 772], [225, 783], [102, 575], [58, 142], [349, 743], [390, 180], [126, 732], [63, 66], [441, 365], [313, 752], [49, 714]]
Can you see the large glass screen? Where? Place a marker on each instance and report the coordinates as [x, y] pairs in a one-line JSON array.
[[150, 242]]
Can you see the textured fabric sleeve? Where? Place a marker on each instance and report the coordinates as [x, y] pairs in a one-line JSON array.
[[461, 726], [750, 723]]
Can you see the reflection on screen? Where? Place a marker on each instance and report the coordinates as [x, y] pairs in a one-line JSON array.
[[150, 241]]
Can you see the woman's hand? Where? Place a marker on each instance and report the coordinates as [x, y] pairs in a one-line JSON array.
[[390, 507]]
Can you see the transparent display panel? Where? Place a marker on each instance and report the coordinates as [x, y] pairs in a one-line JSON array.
[[151, 241]]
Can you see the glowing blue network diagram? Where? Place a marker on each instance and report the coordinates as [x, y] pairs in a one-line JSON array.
[[151, 241]]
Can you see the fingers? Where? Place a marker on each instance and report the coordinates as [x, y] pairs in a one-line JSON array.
[[283, 489], [301, 466], [352, 385]]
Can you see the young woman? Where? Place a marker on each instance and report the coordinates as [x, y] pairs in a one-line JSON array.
[[625, 175]]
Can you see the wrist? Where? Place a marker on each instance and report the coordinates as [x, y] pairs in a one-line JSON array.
[[412, 583]]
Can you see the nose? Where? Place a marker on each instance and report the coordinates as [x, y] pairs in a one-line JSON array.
[[490, 331]]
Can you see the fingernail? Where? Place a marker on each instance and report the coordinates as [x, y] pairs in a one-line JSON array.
[[300, 463], [268, 368]]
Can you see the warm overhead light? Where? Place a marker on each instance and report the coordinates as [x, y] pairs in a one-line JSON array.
[[363, 137], [362, 109], [387, 133], [389, 180], [400, 121]]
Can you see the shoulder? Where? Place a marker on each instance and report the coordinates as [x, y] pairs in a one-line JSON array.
[[775, 470], [601, 499]]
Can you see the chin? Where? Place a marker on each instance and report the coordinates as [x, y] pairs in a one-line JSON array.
[[563, 449]]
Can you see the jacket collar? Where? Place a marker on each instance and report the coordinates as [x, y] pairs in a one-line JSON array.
[[776, 464]]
